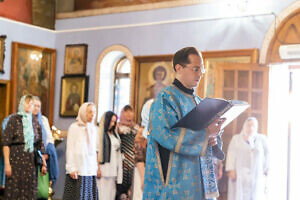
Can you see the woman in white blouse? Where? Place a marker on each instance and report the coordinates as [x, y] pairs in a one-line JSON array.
[[247, 163], [109, 157], [81, 156]]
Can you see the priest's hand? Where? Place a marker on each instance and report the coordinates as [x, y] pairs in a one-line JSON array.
[[215, 127], [212, 141]]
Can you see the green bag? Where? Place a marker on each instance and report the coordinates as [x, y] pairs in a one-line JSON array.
[[43, 185]]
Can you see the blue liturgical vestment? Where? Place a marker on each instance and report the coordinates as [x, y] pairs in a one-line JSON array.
[[189, 173]]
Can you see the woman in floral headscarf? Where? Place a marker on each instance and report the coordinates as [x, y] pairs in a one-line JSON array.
[[22, 136], [81, 156]]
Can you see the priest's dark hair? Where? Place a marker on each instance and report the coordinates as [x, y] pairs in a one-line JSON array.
[[181, 57]]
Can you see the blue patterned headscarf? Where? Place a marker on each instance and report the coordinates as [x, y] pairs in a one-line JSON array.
[[27, 126], [40, 120], [44, 133]]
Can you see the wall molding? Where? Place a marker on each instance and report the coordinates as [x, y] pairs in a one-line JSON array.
[[163, 22], [27, 25]]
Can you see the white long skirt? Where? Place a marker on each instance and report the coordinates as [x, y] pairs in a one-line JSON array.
[[107, 188], [137, 190]]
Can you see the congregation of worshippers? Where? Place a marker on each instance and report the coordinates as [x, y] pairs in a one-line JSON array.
[[117, 158], [149, 99]]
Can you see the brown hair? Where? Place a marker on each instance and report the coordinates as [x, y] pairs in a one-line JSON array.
[[127, 108]]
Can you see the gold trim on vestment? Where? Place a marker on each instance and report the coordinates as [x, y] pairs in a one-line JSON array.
[[169, 168], [159, 163], [172, 96]]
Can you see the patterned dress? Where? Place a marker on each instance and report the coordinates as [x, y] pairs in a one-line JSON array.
[[23, 182], [127, 149]]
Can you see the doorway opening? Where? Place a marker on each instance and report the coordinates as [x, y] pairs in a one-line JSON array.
[[284, 131]]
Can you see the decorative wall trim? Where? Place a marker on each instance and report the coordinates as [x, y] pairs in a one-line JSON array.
[[28, 25], [162, 22], [273, 28], [131, 8]]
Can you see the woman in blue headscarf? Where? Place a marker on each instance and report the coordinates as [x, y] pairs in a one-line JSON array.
[[22, 136], [50, 151]]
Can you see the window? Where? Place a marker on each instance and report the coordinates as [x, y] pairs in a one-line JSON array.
[[114, 82], [121, 85]]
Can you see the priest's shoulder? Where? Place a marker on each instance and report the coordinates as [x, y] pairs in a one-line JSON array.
[[166, 92]]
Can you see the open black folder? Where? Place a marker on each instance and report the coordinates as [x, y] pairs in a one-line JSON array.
[[208, 110]]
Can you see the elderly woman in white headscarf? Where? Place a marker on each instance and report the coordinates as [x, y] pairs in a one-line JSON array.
[[81, 156], [247, 163]]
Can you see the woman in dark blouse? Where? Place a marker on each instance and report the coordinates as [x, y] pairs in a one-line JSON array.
[[22, 136]]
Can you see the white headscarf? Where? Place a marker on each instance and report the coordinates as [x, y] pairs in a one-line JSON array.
[[81, 117], [145, 114], [82, 121], [244, 130]]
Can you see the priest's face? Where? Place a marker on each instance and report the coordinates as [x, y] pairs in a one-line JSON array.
[[190, 74]]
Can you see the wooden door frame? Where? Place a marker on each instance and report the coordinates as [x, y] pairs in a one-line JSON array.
[[7, 83], [249, 67]]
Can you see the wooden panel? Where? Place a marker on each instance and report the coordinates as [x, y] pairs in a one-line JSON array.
[[249, 83], [43, 13], [213, 58], [243, 79], [125, 8], [257, 79], [4, 100], [95, 4]]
